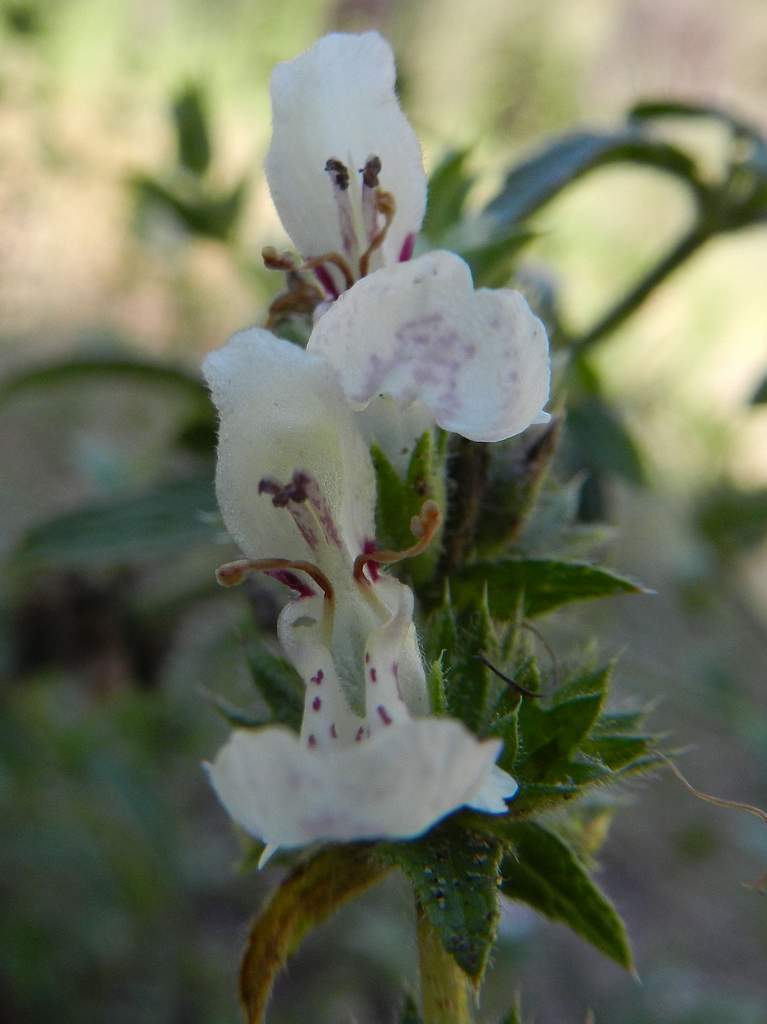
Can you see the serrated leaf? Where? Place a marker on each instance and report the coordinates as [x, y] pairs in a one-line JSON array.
[[278, 683], [120, 531], [610, 722], [192, 137], [618, 750], [449, 186], [546, 583], [310, 894], [541, 177], [547, 875], [454, 872]]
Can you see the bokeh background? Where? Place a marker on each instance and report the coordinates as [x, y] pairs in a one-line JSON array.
[[120, 893]]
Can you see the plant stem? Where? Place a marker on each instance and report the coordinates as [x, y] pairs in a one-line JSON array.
[[682, 249], [444, 987]]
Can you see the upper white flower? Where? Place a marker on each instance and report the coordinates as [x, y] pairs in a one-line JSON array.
[[296, 488], [344, 167]]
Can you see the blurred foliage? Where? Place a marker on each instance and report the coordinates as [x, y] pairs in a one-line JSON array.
[[114, 866]]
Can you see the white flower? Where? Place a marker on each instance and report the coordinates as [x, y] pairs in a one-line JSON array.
[[419, 333], [296, 488], [344, 167]]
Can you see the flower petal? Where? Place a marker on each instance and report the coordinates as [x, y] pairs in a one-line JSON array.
[[394, 674], [396, 784], [282, 410], [418, 331], [497, 787], [337, 100]]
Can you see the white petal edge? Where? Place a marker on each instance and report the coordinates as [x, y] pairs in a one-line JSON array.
[[394, 785], [419, 332], [282, 409], [337, 100]]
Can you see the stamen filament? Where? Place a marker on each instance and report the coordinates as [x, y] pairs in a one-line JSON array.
[[337, 260], [233, 573], [423, 526], [385, 204]]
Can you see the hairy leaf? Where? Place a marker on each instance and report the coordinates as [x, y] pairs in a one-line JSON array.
[[454, 872], [546, 584], [545, 873]]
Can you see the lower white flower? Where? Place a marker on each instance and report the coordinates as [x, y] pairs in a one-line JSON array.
[[297, 491]]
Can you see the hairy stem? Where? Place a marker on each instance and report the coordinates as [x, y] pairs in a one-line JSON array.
[[681, 251], [444, 986]]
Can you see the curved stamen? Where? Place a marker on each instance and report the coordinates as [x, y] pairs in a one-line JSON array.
[[423, 526], [233, 573], [337, 260], [385, 204]]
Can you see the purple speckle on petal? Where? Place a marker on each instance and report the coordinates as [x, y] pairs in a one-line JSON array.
[[312, 740], [317, 679], [373, 675], [360, 734], [316, 704], [333, 733], [384, 714]]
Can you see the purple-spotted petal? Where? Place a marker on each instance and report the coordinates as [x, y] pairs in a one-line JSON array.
[[479, 361], [394, 785], [281, 411], [337, 101]]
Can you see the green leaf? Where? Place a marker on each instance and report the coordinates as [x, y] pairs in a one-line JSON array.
[[454, 872], [278, 683], [547, 875], [492, 263], [160, 521], [399, 500], [235, 716], [436, 685], [469, 681], [83, 369], [192, 137], [514, 1016], [310, 894], [617, 751], [200, 212], [654, 109], [733, 519], [603, 442], [538, 179], [449, 186], [442, 632], [546, 583], [549, 737]]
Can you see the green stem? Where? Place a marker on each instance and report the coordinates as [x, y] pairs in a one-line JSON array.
[[444, 987], [681, 251]]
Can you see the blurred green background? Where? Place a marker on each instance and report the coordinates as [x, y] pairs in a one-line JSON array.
[[120, 898]]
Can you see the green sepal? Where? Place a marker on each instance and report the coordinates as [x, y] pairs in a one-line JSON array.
[[239, 718], [277, 682], [469, 681], [547, 584], [549, 737], [400, 499], [454, 872], [442, 632], [436, 685], [545, 873]]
